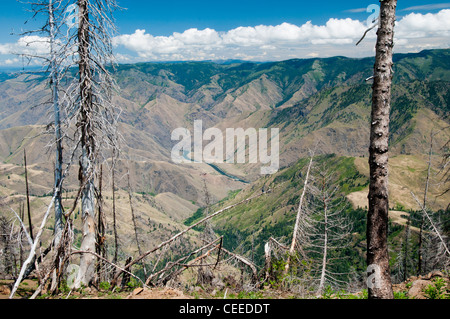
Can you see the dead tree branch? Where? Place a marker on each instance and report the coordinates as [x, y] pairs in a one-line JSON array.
[[140, 258]]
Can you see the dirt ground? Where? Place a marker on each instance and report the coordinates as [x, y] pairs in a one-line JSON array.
[[413, 288]]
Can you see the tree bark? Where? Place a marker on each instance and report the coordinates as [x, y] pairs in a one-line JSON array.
[[325, 251], [86, 176], [54, 82], [377, 219], [30, 223], [116, 236], [422, 222]]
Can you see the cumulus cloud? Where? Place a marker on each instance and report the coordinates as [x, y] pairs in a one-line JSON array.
[[31, 45], [416, 25], [285, 40], [265, 42], [210, 42]]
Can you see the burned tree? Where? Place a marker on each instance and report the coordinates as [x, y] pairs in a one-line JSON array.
[[299, 228], [332, 228], [55, 64], [89, 100], [377, 218]]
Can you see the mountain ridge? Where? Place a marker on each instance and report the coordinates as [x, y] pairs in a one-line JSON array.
[[315, 102]]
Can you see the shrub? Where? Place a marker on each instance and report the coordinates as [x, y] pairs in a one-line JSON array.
[[436, 290]]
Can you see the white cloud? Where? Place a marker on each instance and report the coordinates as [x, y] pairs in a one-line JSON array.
[[357, 10], [336, 36], [198, 37], [11, 61], [428, 7], [194, 43], [32, 45], [416, 25], [264, 42]]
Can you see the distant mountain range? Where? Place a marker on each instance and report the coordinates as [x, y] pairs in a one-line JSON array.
[[323, 102]]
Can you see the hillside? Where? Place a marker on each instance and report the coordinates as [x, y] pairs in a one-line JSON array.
[[323, 102]]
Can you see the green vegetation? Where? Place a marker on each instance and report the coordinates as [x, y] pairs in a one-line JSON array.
[[437, 290], [249, 226]]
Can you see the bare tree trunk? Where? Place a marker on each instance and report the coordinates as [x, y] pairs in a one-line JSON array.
[[175, 237], [406, 248], [54, 82], [299, 216], [116, 237], [425, 196], [87, 264], [28, 195], [436, 230], [101, 227], [32, 256], [133, 217], [377, 219], [325, 251], [22, 216]]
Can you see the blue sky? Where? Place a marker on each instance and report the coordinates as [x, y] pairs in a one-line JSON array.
[[166, 17], [247, 29]]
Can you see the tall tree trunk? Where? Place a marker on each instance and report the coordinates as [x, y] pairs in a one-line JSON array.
[[101, 228], [116, 236], [54, 82], [325, 251], [406, 249], [133, 217], [298, 219], [377, 218], [86, 176], [422, 222], [30, 223]]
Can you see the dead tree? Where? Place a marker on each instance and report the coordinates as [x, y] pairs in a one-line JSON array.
[[54, 62], [95, 117], [204, 276], [5, 240], [182, 233], [101, 226], [299, 219], [377, 218], [434, 227], [133, 218], [331, 227], [30, 223], [32, 255], [406, 243], [54, 82], [113, 183], [425, 199]]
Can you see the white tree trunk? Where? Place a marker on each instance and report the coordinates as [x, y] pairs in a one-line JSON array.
[[325, 251], [299, 216], [86, 272]]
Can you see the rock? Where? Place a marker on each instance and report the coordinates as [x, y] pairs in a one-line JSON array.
[[416, 290]]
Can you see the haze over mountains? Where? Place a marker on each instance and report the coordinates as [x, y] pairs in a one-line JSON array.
[[323, 102]]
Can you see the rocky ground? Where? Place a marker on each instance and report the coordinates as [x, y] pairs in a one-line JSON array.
[[435, 285]]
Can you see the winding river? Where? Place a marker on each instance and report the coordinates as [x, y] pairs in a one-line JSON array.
[[218, 169]]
